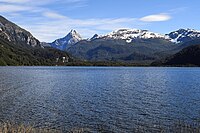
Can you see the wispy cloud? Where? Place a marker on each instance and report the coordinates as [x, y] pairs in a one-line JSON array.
[[41, 20], [26, 5], [14, 1], [40, 2], [53, 15], [48, 24], [156, 18], [7, 8], [53, 26], [178, 10]]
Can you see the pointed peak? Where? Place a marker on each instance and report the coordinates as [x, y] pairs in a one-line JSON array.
[[72, 31], [94, 37], [73, 34]]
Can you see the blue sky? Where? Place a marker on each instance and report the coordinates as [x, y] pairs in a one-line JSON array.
[[48, 20]]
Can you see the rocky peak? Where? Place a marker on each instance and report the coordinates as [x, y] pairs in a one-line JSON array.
[[74, 34], [183, 35], [70, 39], [94, 37]]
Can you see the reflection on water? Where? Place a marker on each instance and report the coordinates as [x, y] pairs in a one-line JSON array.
[[114, 99]]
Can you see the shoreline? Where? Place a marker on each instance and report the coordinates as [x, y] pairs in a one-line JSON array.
[[181, 127], [106, 64]]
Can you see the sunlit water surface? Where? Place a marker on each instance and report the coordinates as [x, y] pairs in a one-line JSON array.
[[116, 99]]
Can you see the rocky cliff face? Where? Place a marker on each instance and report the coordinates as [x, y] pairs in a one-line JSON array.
[[16, 35]]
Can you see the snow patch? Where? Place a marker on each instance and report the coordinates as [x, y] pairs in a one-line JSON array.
[[130, 34]]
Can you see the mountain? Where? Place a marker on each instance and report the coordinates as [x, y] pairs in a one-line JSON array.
[[188, 43], [178, 37], [69, 40], [127, 45], [19, 47], [183, 35], [119, 50], [15, 34], [18, 55], [131, 34], [94, 37], [185, 54], [124, 45]]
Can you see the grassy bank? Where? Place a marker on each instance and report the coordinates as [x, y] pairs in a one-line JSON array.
[[12, 128], [176, 128]]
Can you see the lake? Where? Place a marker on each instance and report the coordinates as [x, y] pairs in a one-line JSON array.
[[112, 99]]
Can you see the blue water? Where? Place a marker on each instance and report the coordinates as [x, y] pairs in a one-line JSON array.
[[116, 99]]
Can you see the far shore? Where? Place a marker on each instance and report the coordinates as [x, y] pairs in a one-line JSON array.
[[109, 64]]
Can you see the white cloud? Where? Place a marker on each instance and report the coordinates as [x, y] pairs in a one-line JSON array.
[[26, 5], [14, 1], [13, 8], [53, 15], [48, 25], [48, 29], [25, 1], [156, 18]]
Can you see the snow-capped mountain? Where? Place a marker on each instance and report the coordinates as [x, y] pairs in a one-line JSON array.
[[183, 35], [70, 39], [130, 34], [179, 36], [143, 44]]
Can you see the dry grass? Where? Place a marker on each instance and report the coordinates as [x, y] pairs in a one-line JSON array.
[[176, 128], [12, 128]]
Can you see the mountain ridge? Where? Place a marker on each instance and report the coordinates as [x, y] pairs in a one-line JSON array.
[[128, 35], [20, 47], [130, 45], [124, 45], [183, 35], [14, 33]]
